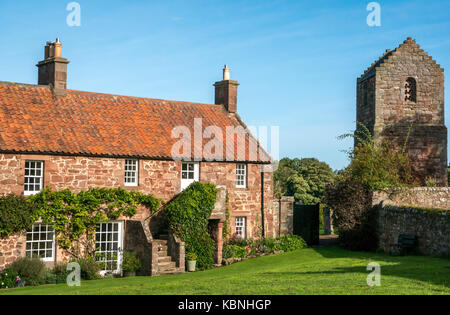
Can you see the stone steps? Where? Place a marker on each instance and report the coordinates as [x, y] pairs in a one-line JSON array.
[[165, 263]]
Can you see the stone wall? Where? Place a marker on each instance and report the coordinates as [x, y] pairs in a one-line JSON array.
[[426, 197], [11, 249], [432, 229], [283, 209], [400, 213], [159, 178]]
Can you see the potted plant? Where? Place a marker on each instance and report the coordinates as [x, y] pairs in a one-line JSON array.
[[131, 264], [191, 261]]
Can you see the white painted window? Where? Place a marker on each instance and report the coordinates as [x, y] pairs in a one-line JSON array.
[[240, 227], [241, 176], [131, 172], [108, 244], [34, 177], [190, 172], [40, 242]]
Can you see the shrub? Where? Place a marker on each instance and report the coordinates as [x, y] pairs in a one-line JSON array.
[[290, 243], [375, 164], [239, 248], [188, 216], [131, 261], [57, 275], [353, 214], [89, 268], [9, 279], [31, 270]]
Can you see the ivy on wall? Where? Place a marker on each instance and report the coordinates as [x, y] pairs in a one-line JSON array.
[[188, 216], [74, 216], [16, 214], [226, 224]]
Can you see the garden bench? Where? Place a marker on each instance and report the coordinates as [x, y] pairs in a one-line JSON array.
[[406, 242]]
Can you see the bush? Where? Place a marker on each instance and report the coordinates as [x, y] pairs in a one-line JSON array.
[[375, 164], [57, 275], [188, 216], [239, 248], [131, 261], [290, 243], [9, 279], [89, 268], [31, 270], [353, 214]]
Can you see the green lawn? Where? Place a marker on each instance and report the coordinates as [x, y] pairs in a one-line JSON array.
[[309, 271]]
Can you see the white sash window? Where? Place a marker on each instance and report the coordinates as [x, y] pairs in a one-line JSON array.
[[34, 177], [240, 225], [190, 172], [131, 172], [108, 243], [241, 176], [40, 242]]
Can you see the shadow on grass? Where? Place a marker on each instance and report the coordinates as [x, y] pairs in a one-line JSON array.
[[430, 270]]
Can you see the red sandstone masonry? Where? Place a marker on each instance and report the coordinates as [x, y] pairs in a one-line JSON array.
[[159, 178], [382, 107]]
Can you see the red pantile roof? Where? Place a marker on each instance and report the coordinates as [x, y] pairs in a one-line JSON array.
[[34, 120]]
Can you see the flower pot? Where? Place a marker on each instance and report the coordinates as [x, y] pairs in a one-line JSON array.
[[129, 273], [191, 265]]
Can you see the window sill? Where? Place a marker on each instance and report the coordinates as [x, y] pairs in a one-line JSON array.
[[30, 193]]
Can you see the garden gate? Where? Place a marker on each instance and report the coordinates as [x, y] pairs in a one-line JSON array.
[[306, 223]]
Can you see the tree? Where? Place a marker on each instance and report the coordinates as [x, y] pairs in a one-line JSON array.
[[375, 164], [378, 163], [304, 179]]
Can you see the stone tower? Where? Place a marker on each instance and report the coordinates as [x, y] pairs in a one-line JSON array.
[[401, 96]]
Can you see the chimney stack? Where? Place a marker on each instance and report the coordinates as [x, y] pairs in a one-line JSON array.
[[226, 91], [53, 69]]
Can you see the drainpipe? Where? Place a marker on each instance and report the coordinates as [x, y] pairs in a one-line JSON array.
[[279, 217], [262, 202]]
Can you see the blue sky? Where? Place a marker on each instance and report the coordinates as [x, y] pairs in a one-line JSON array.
[[297, 61]]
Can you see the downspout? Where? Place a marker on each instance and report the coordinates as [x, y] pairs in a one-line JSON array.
[[279, 217], [262, 202]]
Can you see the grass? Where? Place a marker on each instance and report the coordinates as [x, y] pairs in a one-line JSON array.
[[308, 271]]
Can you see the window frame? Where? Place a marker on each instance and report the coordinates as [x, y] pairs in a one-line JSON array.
[[238, 181], [39, 241], [242, 225], [120, 242], [185, 182], [135, 172], [29, 176], [411, 84]]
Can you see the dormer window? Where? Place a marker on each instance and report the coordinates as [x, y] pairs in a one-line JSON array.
[[411, 90]]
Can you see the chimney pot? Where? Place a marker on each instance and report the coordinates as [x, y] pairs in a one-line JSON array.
[[226, 73]]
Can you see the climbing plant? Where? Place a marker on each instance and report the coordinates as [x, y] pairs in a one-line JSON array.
[[16, 214], [74, 216], [188, 215], [226, 224]]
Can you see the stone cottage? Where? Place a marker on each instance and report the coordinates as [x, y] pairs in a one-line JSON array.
[[401, 97], [53, 136]]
